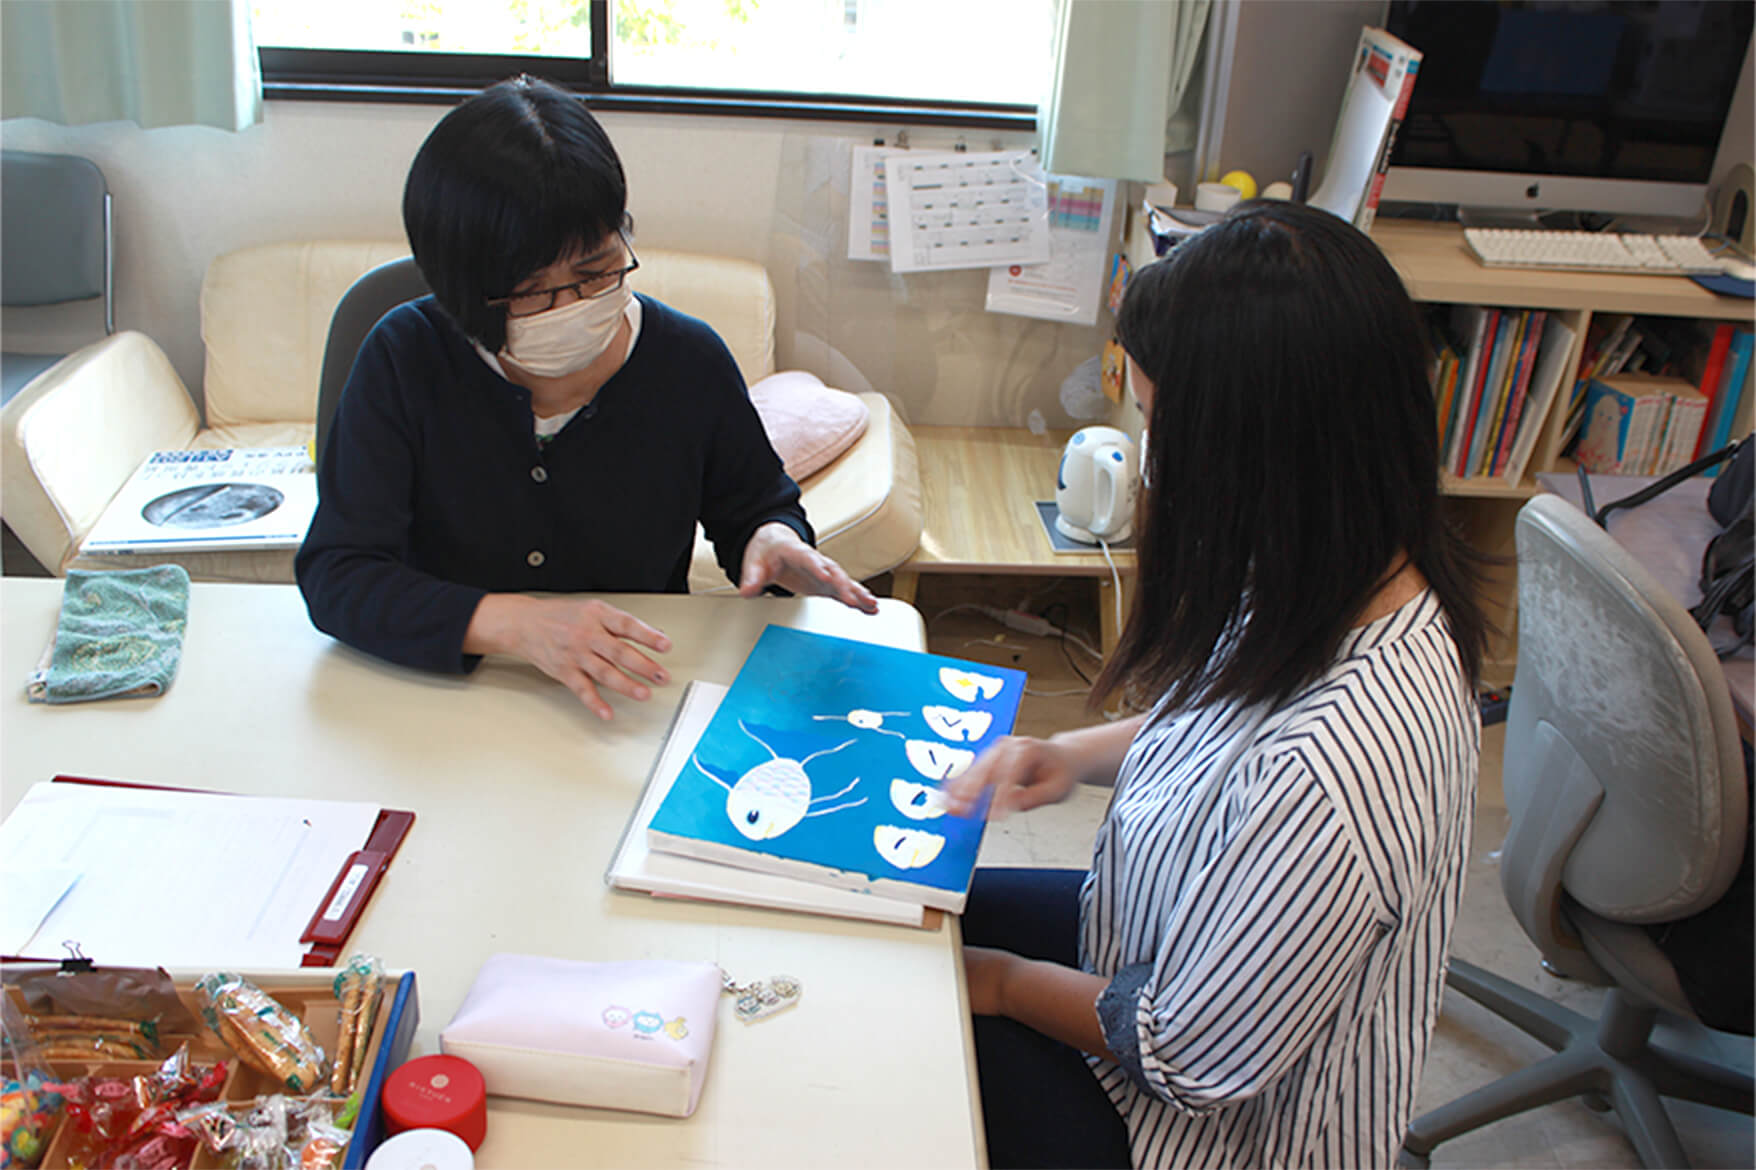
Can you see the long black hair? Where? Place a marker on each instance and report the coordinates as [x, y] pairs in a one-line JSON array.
[[1292, 456], [506, 184]]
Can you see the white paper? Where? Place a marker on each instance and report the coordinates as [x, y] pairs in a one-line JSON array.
[[30, 894], [636, 867], [245, 497], [1365, 116], [966, 210], [1071, 285], [181, 879], [868, 205]]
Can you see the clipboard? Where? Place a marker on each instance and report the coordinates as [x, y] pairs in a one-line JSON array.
[[334, 918]]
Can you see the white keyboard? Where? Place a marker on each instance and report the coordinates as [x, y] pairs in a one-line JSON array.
[[1591, 251]]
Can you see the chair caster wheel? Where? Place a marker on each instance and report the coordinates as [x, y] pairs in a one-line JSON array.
[[1596, 1102], [1407, 1159]]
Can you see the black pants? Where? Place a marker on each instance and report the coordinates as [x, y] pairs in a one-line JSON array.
[[1041, 1105], [1715, 951]]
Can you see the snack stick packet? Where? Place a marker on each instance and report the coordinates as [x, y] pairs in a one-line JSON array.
[[265, 1035], [356, 986]]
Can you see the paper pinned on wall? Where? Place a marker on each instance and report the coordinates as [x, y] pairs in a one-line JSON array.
[[868, 208], [966, 210], [1069, 288]]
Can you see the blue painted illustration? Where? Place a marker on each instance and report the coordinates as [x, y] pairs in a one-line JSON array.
[[833, 752]]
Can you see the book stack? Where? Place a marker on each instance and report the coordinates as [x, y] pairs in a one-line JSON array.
[[1496, 375], [813, 782], [1726, 384], [1640, 424]]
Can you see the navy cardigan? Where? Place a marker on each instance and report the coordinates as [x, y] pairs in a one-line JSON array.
[[434, 491]]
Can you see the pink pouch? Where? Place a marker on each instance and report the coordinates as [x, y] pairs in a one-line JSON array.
[[623, 1035]]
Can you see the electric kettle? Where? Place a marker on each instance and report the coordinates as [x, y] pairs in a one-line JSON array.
[[1094, 489]]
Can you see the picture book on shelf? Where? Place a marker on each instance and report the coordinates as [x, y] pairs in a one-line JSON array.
[[824, 762], [198, 500]]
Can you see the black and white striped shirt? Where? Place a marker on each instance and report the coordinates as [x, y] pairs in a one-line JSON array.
[[1272, 895]]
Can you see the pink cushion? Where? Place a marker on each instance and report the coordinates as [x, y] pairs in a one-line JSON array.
[[809, 423]]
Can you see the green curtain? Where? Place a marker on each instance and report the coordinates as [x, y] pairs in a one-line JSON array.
[[1121, 68], [154, 62]]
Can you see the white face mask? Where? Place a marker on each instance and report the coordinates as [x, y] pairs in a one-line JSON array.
[[566, 339]]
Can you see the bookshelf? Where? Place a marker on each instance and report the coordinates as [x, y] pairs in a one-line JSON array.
[[1438, 269]]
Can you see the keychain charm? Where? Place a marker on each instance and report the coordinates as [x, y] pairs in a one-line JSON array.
[[763, 998]]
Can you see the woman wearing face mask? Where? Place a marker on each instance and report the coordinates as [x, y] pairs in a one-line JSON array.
[[536, 427]]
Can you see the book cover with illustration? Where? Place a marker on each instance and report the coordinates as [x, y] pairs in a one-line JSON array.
[[202, 500], [825, 760]]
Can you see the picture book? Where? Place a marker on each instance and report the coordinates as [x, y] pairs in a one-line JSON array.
[[824, 762], [1380, 81], [198, 500], [636, 868], [1551, 368]]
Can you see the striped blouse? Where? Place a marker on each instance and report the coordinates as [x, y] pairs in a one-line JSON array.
[[1271, 896]]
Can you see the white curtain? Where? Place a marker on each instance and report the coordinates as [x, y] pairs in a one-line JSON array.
[[1121, 69], [153, 62]]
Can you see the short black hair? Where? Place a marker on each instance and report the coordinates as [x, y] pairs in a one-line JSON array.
[[507, 183], [1293, 453]]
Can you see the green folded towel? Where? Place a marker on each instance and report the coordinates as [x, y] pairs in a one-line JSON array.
[[119, 634]]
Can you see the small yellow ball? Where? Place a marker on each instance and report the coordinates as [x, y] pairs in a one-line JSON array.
[[1242, 180]]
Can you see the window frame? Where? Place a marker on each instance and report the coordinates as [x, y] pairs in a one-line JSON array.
[[417, 77]]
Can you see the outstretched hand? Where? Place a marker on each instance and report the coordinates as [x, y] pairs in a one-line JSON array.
[[1023, 772], [777, 556], [586, 645]]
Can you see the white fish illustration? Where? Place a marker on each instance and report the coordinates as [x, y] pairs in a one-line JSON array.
[[868, 720], [917, 802], [951, 723], [967, 685], [775, 795], [935, 761], [907, 848]]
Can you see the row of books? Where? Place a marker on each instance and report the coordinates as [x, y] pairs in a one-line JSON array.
[[1496, 373], [1692, 375]]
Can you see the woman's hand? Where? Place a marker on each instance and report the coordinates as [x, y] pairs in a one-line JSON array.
[[986, 970], [776, 556], [584, 645], [1023, 773]]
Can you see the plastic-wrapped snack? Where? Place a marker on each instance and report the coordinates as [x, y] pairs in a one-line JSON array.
[[274, 1133], [357, 987], [135, 1122], [29, 1104], [265, 1035]]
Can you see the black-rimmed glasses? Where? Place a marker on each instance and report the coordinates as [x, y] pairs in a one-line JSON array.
[[600, 284]]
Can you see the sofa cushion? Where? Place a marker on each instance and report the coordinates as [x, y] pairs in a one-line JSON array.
[[265, 320], [734, 296], [808, 423], [865, 506]]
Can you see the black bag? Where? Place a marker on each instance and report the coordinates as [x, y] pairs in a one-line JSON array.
[[1728, 566]]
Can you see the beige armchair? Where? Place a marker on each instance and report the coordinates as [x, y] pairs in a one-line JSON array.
[[72, 438]]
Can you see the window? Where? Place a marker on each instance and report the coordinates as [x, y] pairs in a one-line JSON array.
[[970, 61]]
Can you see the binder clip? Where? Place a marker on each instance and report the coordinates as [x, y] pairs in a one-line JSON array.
[[75, 963]]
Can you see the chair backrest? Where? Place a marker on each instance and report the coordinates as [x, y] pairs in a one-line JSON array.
[[734, 296], [373, 295], [55, 218], [1623, 775]]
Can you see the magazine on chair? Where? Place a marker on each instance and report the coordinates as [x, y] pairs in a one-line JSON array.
[[203, 500]]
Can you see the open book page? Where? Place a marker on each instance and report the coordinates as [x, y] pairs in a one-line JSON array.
[[635, 867]]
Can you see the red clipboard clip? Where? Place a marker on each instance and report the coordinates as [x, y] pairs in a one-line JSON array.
[[352, 889]]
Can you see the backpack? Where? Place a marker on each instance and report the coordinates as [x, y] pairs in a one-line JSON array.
[[1728, 565]]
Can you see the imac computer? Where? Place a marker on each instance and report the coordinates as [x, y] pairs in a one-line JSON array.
[[1613, 108]]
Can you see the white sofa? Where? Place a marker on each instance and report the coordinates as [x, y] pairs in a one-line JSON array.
[[71, 438]]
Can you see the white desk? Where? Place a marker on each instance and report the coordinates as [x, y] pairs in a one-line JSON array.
[[520, 794]]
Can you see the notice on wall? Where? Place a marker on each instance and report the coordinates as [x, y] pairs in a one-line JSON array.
[[1070, 285], [966, 210]]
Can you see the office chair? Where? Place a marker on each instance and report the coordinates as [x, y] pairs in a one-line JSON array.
[[1625, 784], [55, 219], [369, 298]]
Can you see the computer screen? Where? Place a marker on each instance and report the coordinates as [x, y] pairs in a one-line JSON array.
[[1616, 106]]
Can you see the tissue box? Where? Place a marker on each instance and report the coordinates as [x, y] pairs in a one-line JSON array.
[[630, 1035]]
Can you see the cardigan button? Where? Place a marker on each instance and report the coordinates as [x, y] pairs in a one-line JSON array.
[[540, 474], [535, 559]]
